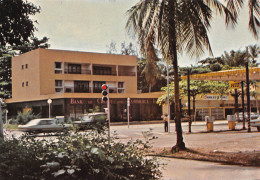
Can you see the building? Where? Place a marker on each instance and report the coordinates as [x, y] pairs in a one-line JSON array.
[[220, 107], [73, 80]]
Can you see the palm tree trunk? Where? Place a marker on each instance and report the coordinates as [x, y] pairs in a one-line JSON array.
[[173, 54]]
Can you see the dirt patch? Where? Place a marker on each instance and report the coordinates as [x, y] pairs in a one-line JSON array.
[[231, 158]]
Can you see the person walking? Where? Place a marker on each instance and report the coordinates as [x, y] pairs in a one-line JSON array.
[[165, 120]]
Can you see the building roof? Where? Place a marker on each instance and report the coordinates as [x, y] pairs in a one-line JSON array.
[[227, 75]]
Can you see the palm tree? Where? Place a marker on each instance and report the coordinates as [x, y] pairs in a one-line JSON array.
[[174, 26], [254, 52]]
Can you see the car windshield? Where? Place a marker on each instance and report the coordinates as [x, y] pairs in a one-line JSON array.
[[33, 122]]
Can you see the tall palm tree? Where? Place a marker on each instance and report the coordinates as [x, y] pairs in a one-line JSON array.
[[174, 26], [254, 52]]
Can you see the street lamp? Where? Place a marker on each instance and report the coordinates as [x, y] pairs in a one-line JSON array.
[[49, 102]]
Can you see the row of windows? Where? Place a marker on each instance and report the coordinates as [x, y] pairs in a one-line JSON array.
[[26, 83], [25, 66]]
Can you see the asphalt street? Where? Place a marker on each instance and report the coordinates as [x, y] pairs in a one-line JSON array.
[[222, 139]]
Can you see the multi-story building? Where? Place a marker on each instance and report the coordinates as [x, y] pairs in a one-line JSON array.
[[73, 80]]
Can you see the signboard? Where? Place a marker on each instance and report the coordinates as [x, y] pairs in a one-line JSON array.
[[213, 97], [234, 84]]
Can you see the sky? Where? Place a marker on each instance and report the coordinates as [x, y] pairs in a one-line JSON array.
[[91, 25]]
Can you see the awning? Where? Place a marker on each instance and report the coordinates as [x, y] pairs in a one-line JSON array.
[[228, 75]]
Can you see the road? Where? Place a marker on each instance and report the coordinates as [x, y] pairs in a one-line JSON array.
[[179, 169], [220, 140]]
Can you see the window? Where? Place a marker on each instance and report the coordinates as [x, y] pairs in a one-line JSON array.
[[121, 87], [74, 68], [58, 86], [97, 86], [26, 66], [22, 66], [120, 84], [58, 83], [102, 70], [58, 68], [22, 84], [27, 83], [81, 86]]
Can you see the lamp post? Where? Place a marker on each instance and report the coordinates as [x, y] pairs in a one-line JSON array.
[[49, 102]]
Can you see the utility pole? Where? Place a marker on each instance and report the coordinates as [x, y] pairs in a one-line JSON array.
[[247, 93], [243, 104], [168, 98], [188, 81]]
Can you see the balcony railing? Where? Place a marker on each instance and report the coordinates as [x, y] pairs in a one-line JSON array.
[[75, 90], [125, 73], [97, 72], [82, 71]]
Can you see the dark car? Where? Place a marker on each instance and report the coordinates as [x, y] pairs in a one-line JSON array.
[[91, 119]]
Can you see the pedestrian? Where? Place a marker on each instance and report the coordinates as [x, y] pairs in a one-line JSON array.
[[165, 120]]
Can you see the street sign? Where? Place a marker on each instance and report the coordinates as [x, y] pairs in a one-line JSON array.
[[234, 84]]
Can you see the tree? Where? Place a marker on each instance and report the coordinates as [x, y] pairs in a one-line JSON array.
[[174, 26], [16, 26], [254, 52]]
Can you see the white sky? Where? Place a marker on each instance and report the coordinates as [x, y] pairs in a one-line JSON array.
[[90, 25]]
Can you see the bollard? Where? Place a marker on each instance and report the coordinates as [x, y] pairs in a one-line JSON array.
[[231, 122], [209, 123]]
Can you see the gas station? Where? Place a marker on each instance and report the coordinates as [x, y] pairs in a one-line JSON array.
[[235, 77]]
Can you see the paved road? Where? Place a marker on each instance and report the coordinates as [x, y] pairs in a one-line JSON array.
[[223, 140], [177, 169]]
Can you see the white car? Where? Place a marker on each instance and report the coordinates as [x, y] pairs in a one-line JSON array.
[[43, 125], [252, 115]]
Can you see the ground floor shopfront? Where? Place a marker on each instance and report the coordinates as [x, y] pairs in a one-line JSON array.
[[141, 109]]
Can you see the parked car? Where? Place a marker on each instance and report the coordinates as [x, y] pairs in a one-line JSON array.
[[253, 115], [256, 123], [43, 125], [91, 119]]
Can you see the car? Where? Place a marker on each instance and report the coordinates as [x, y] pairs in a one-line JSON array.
[[91, 119], [253, 115], [43, 125], [256, 123]]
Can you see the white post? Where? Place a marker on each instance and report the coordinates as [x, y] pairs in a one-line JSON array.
[[168, 101], [6, 122], [49, 102], [1, 120], [128, 105]]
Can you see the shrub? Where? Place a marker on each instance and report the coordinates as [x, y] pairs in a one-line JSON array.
[[23, 118], [89, 155]]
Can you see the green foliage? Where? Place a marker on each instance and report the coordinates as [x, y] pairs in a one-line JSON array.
[[16, 25], [76, 156], [23, 118], [196, 88]]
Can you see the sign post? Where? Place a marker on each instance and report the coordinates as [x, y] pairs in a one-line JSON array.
[[128, 105]]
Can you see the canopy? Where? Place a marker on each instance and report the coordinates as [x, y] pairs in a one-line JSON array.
[[228, 75]]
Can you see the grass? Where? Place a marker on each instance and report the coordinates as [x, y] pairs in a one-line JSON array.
[[11, 126]]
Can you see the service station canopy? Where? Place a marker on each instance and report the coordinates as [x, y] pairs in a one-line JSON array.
[[228, 75]]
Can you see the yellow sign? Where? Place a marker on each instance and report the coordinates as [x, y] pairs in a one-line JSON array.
[[234, 84]]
